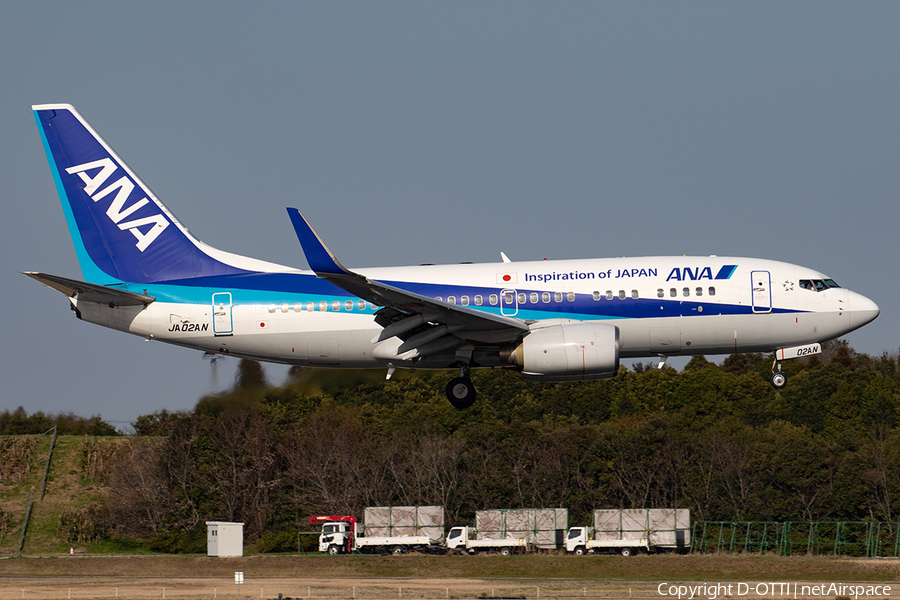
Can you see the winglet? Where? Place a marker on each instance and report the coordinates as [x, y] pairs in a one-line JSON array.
[[319, 257]]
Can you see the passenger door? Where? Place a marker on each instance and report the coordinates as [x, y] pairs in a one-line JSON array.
[[762, 291]]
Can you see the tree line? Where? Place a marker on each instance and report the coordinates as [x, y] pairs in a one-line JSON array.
[[19, 422], [716, 439]]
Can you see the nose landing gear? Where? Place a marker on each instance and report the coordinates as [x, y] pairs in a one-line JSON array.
[[779, 379]]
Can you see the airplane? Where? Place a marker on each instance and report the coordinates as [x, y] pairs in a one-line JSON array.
[[144, 273]]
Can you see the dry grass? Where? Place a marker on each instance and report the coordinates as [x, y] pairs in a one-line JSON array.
[[413, 576]]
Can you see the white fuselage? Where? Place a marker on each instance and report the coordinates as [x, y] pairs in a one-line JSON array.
[[661, 305]]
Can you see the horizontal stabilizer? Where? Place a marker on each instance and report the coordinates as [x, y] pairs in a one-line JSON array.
[[90, 292]]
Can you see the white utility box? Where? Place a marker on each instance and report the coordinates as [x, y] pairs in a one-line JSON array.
[[224, 539]]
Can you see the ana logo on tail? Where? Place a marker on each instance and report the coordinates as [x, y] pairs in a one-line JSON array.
[[117, 211]]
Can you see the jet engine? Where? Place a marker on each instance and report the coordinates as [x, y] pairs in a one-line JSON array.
[[572, 351]]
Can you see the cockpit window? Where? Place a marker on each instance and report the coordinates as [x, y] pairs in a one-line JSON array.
[[818, 285]]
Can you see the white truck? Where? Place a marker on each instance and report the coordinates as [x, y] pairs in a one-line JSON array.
[[339, 536], [580, 540], [465, 539]]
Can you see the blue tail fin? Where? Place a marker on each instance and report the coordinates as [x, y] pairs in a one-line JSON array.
[[122, 233]]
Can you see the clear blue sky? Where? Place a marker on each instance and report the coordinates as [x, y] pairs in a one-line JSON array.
[[430, 132]]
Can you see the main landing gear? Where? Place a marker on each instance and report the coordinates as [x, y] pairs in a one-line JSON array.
[[779, 379], [460, 390]]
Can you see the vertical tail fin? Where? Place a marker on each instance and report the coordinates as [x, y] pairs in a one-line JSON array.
[[121, 231]]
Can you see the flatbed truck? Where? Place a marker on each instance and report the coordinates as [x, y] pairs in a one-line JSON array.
[[339, 536], [580, 541], [465, 539]]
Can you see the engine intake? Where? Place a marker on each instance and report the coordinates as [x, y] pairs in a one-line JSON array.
[[569, 352]]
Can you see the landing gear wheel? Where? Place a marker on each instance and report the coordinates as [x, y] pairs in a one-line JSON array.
[[461, 392], [779, 380]]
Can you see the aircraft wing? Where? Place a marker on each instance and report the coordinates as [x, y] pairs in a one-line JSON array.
[[91, 292], [409, 310]]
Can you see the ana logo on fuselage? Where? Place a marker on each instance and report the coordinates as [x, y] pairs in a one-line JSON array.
[[697, 273], [117, 211]]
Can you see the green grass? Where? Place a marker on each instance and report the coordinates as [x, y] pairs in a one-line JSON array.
[[528, 567], [67, 488]]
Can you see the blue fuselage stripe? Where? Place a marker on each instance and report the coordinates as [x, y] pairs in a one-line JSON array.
[[292, 288]]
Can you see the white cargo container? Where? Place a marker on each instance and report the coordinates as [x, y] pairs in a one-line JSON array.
[[541, 527], [224, 539], [393, 521], [466, 539], [668, 528]]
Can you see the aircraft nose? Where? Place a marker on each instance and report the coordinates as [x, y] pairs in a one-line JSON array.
[[862, 310]]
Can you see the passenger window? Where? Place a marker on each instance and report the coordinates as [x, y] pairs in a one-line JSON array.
[[348, 305], [621, 294], [557, 296], [545, 297], [335, 306], [609, 295], [686, 292], [451, 299], [534, 297], [493, 299], [699, 291], [521, 298], [596, 296], [464, 300], [673, 292], [478, 300], [285, 308], [310, 307], [439, 298], [508, 298], [323, 306], [712, 291], [361, 304], [298, 307], [271, 308], [570, 296], [634, 294], [660, 293]]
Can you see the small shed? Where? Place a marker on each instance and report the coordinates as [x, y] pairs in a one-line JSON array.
[[224, 539]]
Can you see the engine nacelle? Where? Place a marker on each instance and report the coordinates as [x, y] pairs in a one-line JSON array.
[[569, 352]]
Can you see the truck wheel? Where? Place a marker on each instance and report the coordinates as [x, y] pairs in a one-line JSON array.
[[333, 550], [579, 551], [505, 551], [397, 550], [626, 551]]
